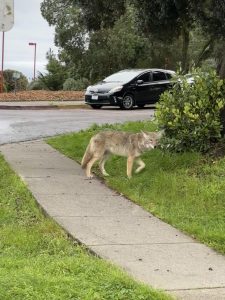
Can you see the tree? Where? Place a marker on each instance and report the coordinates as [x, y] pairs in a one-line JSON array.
[[113, 49], [70, 32], [53, 10], [166, 20], [169, 19], [56, 73], [71, 35], [98, 37], [211, 16], [90, 53], [98, 14], [95, 14]]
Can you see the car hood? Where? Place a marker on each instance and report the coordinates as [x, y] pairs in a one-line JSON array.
[[103, 87]]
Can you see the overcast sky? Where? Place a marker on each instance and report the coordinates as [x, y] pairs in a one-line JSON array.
[[29, 26]]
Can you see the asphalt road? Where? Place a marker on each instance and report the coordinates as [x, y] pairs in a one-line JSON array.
[[24, 125]]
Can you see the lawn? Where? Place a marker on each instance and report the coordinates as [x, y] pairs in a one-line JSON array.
[[39, 262], [186, 190]]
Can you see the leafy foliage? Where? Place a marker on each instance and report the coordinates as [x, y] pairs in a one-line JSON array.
[[75, 85], [21, 83], [117, 48], [36, 85], [100, 37], [190, 113], [52, 9], [56, 75], [211, 15], [95, 14], [155, 15], [71, 34], [167, 20], [99, 14]]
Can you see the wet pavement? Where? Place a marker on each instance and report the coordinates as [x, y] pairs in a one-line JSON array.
[[24, 125]]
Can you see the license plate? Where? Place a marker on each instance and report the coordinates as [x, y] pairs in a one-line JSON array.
[[94, 97]]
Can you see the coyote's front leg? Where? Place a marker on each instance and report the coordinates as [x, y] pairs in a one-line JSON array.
[[130, 161]]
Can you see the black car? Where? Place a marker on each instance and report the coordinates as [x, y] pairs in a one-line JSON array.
[[128, 88]]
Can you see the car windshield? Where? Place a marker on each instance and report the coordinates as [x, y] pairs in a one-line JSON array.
[[123, 77]]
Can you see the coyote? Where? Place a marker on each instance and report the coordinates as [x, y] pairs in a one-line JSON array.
[[107, 142]]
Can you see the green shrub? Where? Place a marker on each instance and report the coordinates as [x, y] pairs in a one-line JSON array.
[[75, 85], [190, 112], [10, 83], [37, 85]]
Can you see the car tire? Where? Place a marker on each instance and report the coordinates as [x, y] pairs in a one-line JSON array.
[[96, 106], [127, 102]]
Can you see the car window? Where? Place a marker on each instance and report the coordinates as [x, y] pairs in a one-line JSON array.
[[169, 75], [145, 77], [123, 77], [157, 76]]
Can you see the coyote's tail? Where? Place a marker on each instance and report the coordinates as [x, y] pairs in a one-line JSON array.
[[87, 156]]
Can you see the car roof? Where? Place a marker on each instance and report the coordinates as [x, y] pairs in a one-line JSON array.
[[148, 70]]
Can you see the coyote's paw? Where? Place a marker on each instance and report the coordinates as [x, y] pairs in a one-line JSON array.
[[105, 174], [139, 169], [91, 176]]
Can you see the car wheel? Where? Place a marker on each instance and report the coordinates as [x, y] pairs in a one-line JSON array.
[[127, 102], [96, 106], [141, 105]]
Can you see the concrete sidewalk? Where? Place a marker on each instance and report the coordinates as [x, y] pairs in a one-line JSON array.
[[115, 228], [42, 104]]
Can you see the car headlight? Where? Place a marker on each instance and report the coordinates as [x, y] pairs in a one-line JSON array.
[[88, 88], [116, 89]]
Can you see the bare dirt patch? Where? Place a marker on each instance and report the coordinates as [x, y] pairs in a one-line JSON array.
[[42, 96]]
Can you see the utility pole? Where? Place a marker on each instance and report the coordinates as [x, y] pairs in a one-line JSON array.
[[35, 50], [6, 23]]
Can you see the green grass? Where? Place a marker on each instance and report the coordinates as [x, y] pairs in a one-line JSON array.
[[38, 260], [185, 190]]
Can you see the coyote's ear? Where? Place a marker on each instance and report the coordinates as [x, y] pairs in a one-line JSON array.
[[160, 133], [145, 135]]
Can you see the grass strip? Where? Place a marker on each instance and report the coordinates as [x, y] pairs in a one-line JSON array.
[[38, 261], [185, 190]]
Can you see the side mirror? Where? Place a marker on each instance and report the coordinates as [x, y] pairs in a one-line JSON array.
[[139, 81]]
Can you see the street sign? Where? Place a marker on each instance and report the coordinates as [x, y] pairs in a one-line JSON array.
[[6, 14], [16, 75]]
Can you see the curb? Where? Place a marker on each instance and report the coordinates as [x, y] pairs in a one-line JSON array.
[[42, 107]]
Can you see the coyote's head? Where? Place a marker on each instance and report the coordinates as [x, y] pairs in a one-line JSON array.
[[151, 139]]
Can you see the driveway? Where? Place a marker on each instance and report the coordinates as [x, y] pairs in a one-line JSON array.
[[24, 125]]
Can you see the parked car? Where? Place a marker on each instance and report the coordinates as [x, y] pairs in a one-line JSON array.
[[128, 88]]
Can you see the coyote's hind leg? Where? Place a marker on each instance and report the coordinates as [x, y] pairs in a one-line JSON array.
[[102, 164], [141, 165], [89, 166]]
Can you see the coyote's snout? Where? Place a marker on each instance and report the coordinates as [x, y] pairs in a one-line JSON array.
[[131, 145]]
